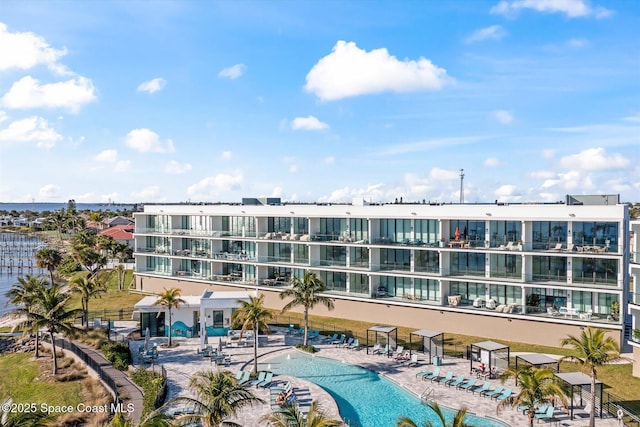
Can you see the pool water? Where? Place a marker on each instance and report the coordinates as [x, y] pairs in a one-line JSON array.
[[362, 395]]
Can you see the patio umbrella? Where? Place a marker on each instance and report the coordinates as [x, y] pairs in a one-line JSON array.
[[457, 233]]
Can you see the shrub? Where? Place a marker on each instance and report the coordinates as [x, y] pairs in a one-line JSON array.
[[153, 388], [307, 348], [117, 353]]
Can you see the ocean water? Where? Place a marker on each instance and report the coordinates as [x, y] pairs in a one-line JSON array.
[[39, 207]]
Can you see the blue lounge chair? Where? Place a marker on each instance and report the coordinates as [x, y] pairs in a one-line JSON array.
[[246, 375], [480, 389], [355, 345], [466, 386], [340, 341], [546, 415], [459, 380], [505, 393], [348, 343], [435, 373], [239, 375], [385, 350], [261, 376], [446, 378], [423, 373], [494, 392], [331, 339], [266, 381]]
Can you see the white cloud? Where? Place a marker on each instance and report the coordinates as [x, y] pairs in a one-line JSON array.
[[48, 191], [507, 193], [542, 174], [152, 86], [635, 117], [3, 116], [146, 194], [32, 129], [212, 186], [26, 50], [427, 145], [107, 156], [29, 93], [571, 8], [122, 166], [146, 140], [277, 192], [493, 162], [293, 168], [577, 43], [549, 183], [503, 116], [494, 32], [226, 155], [329, 160], [350, 71], [233, 72], [593, 159], [548, 154], [372, 192], [438, 174], [177, 168], [308, 123]]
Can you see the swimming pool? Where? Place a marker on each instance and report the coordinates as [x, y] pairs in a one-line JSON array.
[[363, 396]]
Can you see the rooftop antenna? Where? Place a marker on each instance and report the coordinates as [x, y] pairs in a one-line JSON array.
[[461, 186]]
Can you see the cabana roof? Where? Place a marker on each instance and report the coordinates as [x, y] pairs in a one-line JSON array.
[[426, 333], [537, 359], [490, 345], [382, 329], [576, 378]]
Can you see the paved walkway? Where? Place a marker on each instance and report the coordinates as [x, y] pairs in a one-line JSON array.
[[183, 361]]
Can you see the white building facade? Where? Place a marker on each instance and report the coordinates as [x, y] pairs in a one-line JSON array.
[[521, 272]]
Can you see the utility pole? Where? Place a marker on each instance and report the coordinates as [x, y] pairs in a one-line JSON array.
[[461, 186]]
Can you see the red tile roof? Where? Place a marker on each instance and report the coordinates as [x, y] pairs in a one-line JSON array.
[[119, 232]]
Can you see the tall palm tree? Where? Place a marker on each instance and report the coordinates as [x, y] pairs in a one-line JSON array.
[[169, 298], [592, 350], [50, 259], [537, 386], [50, 311], [253, 315], [122, 272], [24, 294], [306, 292], [58, 221], [458, 418], [218, 396], [290, 416], [87, 287]]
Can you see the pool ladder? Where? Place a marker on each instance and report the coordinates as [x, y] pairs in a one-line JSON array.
[[426, 395]]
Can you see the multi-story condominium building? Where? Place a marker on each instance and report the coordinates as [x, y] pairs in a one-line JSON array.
[[634, 294], [520, 272]]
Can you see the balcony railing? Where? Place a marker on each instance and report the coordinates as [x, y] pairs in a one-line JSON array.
[[596, 279]]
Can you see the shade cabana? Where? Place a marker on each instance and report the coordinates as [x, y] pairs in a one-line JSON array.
[[390, 333], [538, 360], [492, 354], [579, 380], [432, 343]]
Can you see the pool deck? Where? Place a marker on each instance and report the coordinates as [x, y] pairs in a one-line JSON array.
[[183, 361]]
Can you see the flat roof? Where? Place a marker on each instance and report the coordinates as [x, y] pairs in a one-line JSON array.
[[575, 378], [383, 329], [490, 345], [537, 359], [208, 299], [426, 333], [149, 302]]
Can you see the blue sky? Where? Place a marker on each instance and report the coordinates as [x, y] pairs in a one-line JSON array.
[[160, 101]]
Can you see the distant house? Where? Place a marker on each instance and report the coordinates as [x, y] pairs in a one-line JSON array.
[[38, 223], [20, 222], [120, 233], [117, 220]]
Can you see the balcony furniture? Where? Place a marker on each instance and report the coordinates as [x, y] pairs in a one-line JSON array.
[[491, 304], [478, 303], [454, 300], [566, 311], [552, 311], [456, 243]]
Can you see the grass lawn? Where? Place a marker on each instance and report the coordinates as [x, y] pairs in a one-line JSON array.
[[617, 377], [21, 379], [113, 299]]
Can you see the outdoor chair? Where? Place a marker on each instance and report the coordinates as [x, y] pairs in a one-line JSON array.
[[355, 345], [446, 378], [505, 393], [459, 380], [547, 415], [413, 361], [261, 376], [495, 391], [481, 388], [266, 381], [433, 374], [340, 341], [246, 375], [470, 383], [348, 343]]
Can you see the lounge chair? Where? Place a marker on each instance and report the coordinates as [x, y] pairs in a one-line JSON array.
[[398, 351], [495, 391], [439, 377], [538, 410], [470, 383], [331, 339], [412, 361], [505, 393], [246, 375], [355, 345], [570, 247], [481, 388], [268, 378], [547, 415], [239, 375], [340, 341], [385, 350], [558, 247], [261, 376], [423, 373], [432, 375], [459, 380], [375, 348], [348, 343], [446, 378]]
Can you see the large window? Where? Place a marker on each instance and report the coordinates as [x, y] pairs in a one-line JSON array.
[[301, 254], [581, 300], [359, 230], [426, 289], [279, 252], [332, 228], [506, 266], [358, 284], [395, 231], [505, 294], [359, 257], [300, 225], [472, 231], [426, 261], [547, 234], [333, 255], [397, 286], [503, 232], [468, 290], [427, 231], [395, 259], [604, 234], [335, 281], [547, 268], [239, 225], [468, 264], [279, 225], [160, 245], [604, 303], [595, 271], [160, 265], [159, 223]]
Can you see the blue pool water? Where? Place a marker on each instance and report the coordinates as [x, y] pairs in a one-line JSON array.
[[363, 396]]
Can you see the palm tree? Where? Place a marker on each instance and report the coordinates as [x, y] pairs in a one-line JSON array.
[[121, 276], [50, 311], [458, 418], [169, 298], [154, 419], [290, 416], [50, 259], [218, 396], [305, 293], [87, 288], [24, 294], [21, 418], [58, 220], [537, 386], [592, 350], [253, 315]]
